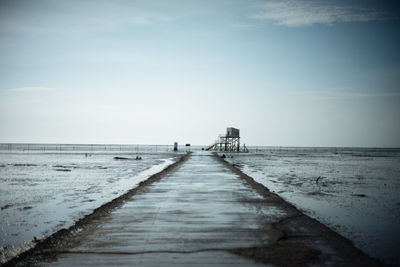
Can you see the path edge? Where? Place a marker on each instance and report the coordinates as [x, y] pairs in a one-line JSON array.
[[46, 248], [336, 240]]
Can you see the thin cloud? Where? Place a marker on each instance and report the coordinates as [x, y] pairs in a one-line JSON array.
[[302, 13], [30, 89], [70, 18], [348, 93]]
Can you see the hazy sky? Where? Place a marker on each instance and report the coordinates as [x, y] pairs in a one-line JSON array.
[[298, 73]]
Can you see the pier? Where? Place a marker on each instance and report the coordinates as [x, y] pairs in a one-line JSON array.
[[202, 212]]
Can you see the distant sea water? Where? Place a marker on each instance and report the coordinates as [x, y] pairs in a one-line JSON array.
[[354, 191], [44, 188]]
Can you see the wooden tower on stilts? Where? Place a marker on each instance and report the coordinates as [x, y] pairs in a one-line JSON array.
[[230, 142]]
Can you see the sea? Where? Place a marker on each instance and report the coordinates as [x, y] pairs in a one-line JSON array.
[[354, 191], [48, 187]]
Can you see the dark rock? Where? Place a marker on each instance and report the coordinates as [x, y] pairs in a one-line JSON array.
[[121, 158]]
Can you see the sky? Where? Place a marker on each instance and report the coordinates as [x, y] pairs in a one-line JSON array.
[[286, 73]]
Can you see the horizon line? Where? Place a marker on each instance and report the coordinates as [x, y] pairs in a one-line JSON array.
[[183, 144]]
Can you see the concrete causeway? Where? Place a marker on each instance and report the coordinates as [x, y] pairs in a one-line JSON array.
[[205, 214]]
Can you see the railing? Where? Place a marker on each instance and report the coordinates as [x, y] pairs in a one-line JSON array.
[[17, 147]]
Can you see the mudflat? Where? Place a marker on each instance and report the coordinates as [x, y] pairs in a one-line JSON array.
[[201, 211]]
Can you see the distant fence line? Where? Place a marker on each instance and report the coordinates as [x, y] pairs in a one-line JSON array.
[[136, 148], [84, 148]]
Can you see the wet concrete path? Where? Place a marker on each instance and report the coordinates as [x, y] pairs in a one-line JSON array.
[[201, 214]]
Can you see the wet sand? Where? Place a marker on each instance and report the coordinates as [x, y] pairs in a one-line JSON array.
[[200, 210]]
